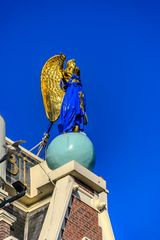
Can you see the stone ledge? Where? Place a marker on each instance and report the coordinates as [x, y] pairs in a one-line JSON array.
[[41, 175]]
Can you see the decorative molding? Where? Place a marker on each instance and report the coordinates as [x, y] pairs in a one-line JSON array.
[[7, 217], [3, 194], [33, 207], [84, 196], [11, 238]]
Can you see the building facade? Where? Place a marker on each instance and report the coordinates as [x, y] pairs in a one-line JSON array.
[[68, 203]]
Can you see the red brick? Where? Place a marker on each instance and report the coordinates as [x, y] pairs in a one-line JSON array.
[[82, 222], [4, 230]]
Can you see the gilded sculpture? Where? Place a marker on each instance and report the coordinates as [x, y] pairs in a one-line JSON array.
[[62, 94]]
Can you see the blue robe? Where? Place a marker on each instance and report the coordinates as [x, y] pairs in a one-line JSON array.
[[73, 109]]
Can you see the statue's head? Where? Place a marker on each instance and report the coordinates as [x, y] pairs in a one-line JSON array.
[[71, 64]]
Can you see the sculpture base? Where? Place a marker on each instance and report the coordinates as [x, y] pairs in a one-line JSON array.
[[71, 146]]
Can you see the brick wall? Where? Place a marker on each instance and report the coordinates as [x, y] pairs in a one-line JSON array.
[[4, 230], [82, 222]]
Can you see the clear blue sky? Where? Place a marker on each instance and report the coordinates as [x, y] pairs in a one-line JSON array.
[[117, 46]]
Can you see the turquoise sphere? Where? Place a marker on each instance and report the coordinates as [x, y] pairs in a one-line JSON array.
[[71, 146]]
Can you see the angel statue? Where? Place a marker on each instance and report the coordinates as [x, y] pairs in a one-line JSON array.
[[62, 94]]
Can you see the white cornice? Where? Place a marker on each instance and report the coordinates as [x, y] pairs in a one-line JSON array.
[[41, 175], [11, 238], [7, 217]]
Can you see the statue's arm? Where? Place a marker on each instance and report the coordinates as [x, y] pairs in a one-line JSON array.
[[63, 83], [66, 75]]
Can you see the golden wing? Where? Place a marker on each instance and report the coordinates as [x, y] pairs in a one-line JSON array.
[[52, 94]]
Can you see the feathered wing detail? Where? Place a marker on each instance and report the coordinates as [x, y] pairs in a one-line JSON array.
[[52, 94]]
